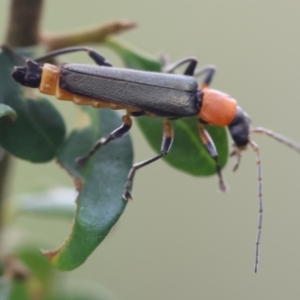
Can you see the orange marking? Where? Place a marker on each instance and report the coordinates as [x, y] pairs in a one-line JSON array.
[[168, 129], [205, 139], [49, 79], [127, 120], [217, 108], [204, 86]]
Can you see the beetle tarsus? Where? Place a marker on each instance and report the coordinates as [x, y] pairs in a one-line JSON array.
[[127, 195], [128, 185], [81, 161], [223, 186]]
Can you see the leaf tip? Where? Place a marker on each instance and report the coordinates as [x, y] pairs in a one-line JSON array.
[[50, 254], [54, 258]]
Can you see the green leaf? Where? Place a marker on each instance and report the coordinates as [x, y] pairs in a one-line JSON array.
[[39, 130], [20, 290], [7, 111], [28, 274], [102, 180], [58, 203], [132, 57], [42, 281], [42, 275], [188, 153]]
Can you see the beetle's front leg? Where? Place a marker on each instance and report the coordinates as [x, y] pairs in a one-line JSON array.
[[211, 148], [237, 153]]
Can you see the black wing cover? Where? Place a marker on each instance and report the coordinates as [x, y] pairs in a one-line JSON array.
[[165, 95]]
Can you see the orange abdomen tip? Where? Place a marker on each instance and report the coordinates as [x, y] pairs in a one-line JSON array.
[[50, 83], [49, 79], [217, 108]]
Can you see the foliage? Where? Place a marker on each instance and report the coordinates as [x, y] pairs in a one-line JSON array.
[[32, 129]]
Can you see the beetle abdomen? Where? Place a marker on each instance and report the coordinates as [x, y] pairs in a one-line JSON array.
[[165, 95]]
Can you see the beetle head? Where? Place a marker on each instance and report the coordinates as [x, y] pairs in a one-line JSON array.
[[239, 129]]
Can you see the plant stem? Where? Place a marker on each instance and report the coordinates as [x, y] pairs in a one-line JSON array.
[[5, 164], [23, 30], [24, 21]]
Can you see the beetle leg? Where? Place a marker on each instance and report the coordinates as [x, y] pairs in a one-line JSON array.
[[236, 152], [191, 70], [211, 148], [117, 133], [210, 72], [95, 56], [167, 141], [192, 63]]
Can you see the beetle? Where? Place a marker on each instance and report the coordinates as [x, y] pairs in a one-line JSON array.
[[166, 95]]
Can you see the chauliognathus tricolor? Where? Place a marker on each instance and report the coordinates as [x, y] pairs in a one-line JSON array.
[[166, 95]]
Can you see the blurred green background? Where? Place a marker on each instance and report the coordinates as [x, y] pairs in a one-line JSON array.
[[180, 238]]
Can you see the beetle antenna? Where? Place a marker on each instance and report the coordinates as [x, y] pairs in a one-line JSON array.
[[280, 138], [255, 148]]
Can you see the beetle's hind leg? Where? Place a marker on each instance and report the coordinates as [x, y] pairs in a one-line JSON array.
[[117, 133], [209, 71], [167, 141], [94, 55]]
